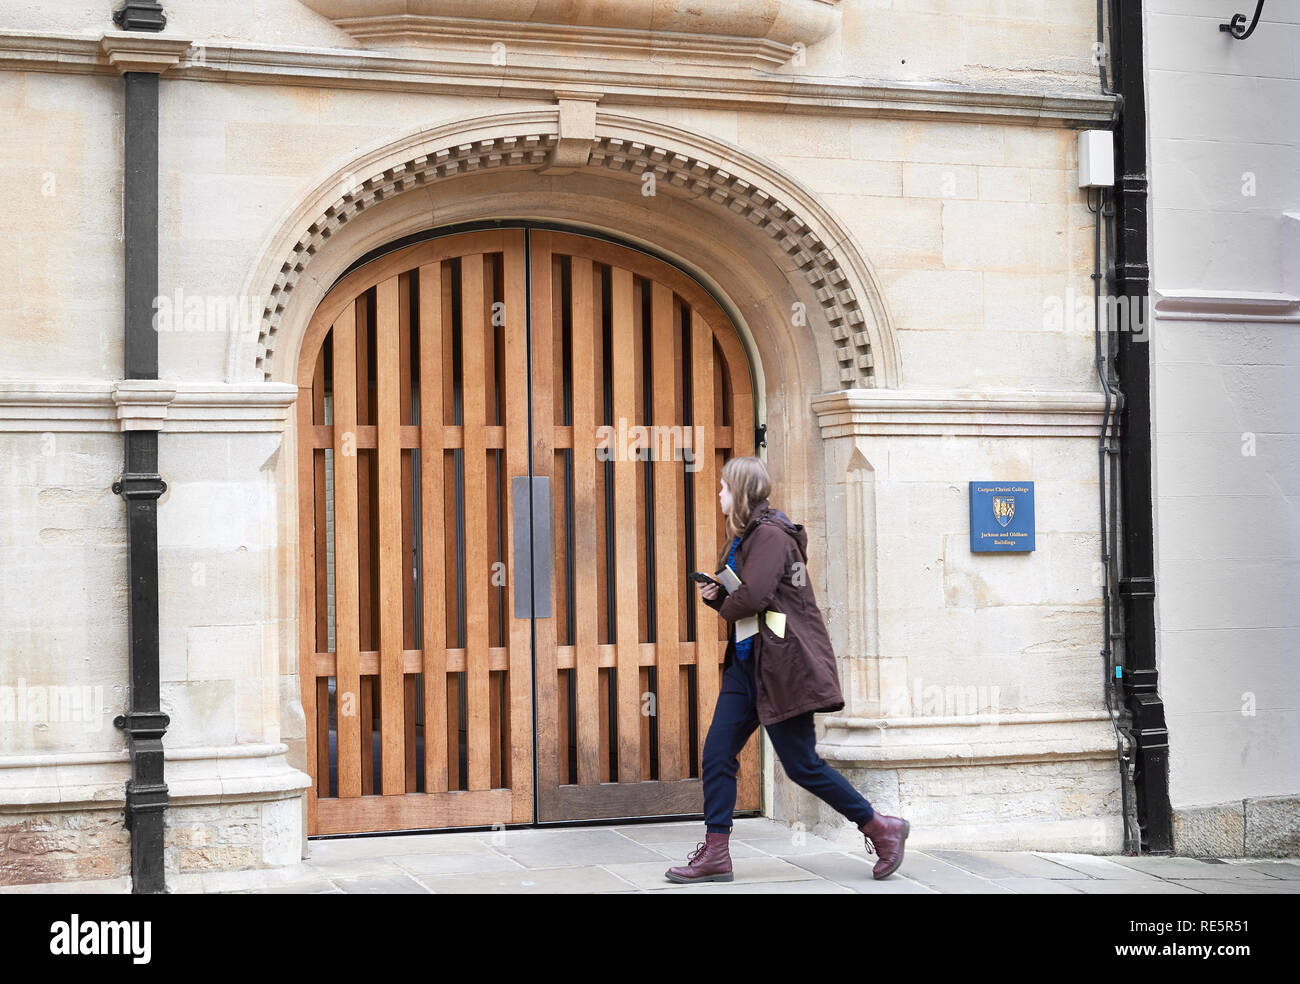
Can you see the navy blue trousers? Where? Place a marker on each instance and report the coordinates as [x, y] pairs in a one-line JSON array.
[[734, 719]]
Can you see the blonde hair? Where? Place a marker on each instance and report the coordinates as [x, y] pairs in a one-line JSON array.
[[750, 484]]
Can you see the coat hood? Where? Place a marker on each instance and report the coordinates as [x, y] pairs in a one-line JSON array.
[[764, 512]]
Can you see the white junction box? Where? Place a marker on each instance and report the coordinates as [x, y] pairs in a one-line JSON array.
[[1096, 159]]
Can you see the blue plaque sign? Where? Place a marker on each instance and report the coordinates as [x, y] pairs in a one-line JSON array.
[[1001, 516]]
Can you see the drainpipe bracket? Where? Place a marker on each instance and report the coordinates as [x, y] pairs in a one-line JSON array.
[[140, 15], [149, 487], [143, 724]]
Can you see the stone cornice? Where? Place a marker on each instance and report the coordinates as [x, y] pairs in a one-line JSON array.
[[692, 32], [870, 412], [857, 98], [109, 406], [641, 30]]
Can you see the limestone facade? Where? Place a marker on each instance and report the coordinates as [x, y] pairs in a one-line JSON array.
[[886, 201]]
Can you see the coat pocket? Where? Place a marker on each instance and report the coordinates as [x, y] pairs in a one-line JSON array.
[[784, 670]]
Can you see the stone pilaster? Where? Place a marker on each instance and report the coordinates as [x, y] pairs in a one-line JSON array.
[[947, 718]]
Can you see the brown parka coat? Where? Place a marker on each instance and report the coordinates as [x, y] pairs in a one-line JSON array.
[[797, 673]]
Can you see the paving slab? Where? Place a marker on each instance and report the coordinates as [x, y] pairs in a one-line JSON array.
[[377, 867], [1190, 869], [1239, 886], [316, 886], [585, 846], [947, 878], [1040, 886], [349, 848], [854, 872], [813, 887], [1095, 866], [748, 870], [1000, 865], [381, 885], [678, 851], [455, 864], [653, 833], [1278, 869], [787, 848], [571, 879], [1120, 886]]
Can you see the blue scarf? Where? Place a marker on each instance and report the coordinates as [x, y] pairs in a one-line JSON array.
[[743, 647]]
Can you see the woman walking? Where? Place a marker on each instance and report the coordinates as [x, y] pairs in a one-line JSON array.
[[778, 677]]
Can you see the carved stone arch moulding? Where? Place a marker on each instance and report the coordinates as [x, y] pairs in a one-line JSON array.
[[698, 168]]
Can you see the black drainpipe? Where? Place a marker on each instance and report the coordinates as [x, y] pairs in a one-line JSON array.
[[1137, 585], [140, 484]]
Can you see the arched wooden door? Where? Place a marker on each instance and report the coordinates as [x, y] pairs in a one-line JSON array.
[[509, 443]]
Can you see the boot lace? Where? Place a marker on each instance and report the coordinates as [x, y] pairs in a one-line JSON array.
[[699, 849]]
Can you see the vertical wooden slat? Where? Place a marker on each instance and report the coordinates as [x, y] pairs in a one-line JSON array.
[[365, 491], [346, 594], [366, 516], [563, 473], [670, 566], [388, 494], [432, 526], [518, 711], [686, 592], [474, 306], [407, 559], [453, 368], [586, 510], [707, 672], [627, 643], [644, 548], [544, 328]]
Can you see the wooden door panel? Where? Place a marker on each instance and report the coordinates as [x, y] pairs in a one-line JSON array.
[[427, 652], [650, 349], [417, 676]]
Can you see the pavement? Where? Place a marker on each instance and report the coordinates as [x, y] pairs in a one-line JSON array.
[[767, 856]]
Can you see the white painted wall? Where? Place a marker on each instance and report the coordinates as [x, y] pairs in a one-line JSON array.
[[1224, 126]]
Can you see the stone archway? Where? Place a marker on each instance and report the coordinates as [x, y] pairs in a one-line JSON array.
[[837, 298], [781, 266]]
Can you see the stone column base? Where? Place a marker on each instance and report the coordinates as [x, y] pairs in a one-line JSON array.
[[230, 809], [1022, 782]]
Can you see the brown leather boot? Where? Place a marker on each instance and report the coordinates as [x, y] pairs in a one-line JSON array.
[[886, 835], [710, 861]]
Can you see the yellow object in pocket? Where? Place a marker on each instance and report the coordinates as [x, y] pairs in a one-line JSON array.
[[776, 622]]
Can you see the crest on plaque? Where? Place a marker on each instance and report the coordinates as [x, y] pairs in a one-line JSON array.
[[1004, 507]]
